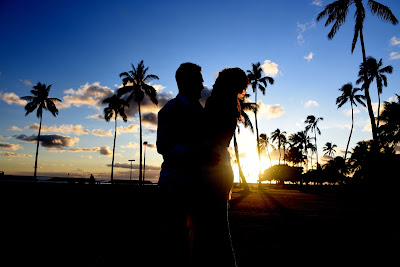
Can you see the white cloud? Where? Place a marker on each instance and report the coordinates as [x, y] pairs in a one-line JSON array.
[[64, 128], [12, 98], [106, 151], [317, 2], [13, 155], [14, 128], [79, 149], [26, 82], [302, 28], [100, 132], [8, 146], [270, 111], [367, 127], [270, 68], [309, 57], [131, 145], [311, 103], [133, 128], [394, 41], [348, 111], [88, 94], [394, 55], [96, 117]]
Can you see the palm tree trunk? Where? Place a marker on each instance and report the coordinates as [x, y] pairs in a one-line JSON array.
[[351, 131], [258, 140], [379, 109], [37, 148], [115, 137], [244, 182], [316, 148], [140, 145], [279, 148], [269, 156], [366, 90]]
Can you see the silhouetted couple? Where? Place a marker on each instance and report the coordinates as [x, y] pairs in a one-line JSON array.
[[196, 176]]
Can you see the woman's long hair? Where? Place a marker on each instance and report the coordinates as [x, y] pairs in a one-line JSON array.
[[229, 83]]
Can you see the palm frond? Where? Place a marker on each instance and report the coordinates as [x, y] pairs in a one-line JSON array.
[[383, 12], [150, 92]]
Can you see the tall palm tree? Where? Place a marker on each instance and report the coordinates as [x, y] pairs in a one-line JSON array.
[[245, 120], [116, 106], [135, 85], [40, 100], [329, 149], [312, 123], [350, 94], [374, 70], [257, 81], [337, 12], [279, 137]]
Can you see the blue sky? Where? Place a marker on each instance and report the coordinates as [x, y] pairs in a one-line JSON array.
[[80, 47]]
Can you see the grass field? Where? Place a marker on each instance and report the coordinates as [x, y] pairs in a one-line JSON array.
[[103, 225]]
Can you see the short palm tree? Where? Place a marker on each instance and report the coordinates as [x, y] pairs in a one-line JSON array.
[[264, 144], [40, 100], [301, 140], [116, 106], [280, 137], [312, 124], [337, 12], [350, 94], [135, 85], [258, 82], [374, 70], [329, 149], [391, 121]]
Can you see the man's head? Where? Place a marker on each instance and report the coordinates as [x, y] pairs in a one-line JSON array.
[[189, 80]]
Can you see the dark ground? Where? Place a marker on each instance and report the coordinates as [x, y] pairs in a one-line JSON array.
[[105, 225]]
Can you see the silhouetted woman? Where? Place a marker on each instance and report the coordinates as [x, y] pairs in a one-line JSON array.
[[212, 241]]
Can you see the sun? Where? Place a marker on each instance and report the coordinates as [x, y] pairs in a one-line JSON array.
[[250, 167]]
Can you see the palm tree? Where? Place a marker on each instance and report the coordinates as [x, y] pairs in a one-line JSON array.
[[329, 149], [280, 137], [264, 144], [391, 118], [135, 85], [301, 140], [374, 70], [313, 149], [337, 13], [349, 94], [256, 80], [116, 107], [247, 124], [40, 100], [312, 123]]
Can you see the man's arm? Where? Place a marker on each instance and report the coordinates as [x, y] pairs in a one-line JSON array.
[[167, 133]]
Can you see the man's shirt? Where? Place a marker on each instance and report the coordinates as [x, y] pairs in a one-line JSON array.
[[180, 131]]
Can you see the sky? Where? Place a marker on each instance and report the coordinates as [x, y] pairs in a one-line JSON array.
[[81, 47]]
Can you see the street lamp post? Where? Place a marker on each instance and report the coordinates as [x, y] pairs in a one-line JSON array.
[[130, 175], [144, 160]]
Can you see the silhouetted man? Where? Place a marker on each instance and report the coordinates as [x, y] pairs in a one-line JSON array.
[[179, 141]]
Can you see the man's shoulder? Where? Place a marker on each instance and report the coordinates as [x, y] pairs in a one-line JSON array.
[[171, 105]]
